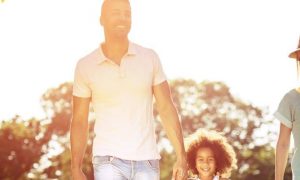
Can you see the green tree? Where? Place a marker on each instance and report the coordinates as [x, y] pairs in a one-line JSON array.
[[209, 105], [25, 144], [57, 104], [22, 145]]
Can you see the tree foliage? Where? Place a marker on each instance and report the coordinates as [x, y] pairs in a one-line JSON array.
[[22, 144], [209, 105]]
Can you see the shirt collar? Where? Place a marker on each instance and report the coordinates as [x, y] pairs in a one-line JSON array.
[[102, 58]]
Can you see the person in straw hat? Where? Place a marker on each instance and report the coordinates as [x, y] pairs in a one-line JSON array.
[[288, 113]]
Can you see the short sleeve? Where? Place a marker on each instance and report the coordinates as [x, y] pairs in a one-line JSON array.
[[158, 75], [284, 112], [80, 85]]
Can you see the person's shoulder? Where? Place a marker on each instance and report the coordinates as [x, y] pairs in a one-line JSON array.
[[291, 92], [142, 49], [88, 58], [291, 95]]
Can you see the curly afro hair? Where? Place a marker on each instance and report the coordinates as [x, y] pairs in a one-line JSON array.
[[222, 150]]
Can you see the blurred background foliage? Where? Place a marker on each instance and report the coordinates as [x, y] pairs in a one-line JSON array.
[[40, 149]]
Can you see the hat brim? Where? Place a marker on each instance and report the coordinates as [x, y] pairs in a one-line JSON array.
[[294, 54]]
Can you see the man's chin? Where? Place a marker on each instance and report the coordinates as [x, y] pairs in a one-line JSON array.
[[121, 35]]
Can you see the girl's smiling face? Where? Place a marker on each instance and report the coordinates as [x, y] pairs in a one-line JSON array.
[[205, 163]]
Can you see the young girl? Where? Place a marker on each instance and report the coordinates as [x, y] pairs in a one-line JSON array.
[[288, 113], [209, 156]]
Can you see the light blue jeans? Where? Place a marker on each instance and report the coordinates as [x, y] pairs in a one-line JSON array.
[[113, 168]]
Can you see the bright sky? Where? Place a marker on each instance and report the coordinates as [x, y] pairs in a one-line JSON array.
[[243, 43]]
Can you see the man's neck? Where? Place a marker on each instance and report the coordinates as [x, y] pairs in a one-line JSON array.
[[115, 50]]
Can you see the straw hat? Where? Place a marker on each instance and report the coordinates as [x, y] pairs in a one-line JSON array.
[[294, 53]]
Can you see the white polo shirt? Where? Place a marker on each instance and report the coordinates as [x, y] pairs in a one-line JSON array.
[[122, 101]]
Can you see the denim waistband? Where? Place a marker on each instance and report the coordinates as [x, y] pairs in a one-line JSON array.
[[111, 158]]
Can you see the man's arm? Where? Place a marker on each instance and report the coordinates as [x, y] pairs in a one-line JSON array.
[[79, 135], [171, 124], [282, 150]]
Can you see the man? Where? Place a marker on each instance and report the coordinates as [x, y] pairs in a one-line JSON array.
[[119, 79]]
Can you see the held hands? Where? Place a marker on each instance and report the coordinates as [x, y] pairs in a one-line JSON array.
[[180, 170], [77, 174]]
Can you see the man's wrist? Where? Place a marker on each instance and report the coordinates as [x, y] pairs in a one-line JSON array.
[[75, 167], [182, 157]]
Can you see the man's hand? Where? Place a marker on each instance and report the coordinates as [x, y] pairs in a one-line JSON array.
[[180, 169], [77, 174]]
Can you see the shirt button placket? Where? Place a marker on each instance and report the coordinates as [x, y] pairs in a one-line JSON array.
[[121, 70]]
